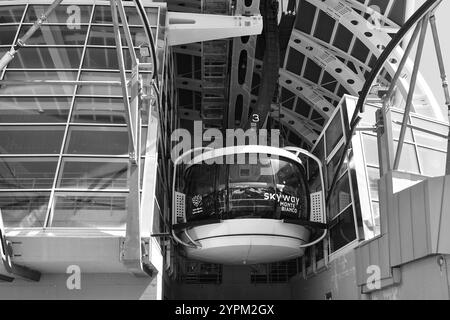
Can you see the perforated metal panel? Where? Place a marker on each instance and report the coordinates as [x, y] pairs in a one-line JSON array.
[[180, 206], [316, 207]]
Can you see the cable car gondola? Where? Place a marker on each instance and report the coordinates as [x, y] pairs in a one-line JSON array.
[[246, 204]]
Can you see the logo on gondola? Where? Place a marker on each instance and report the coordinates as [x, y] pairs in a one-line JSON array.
[[287, 202], [197, 200]]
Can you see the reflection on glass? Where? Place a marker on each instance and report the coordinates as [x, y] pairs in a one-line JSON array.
[[102, 15], [11, 14], [371, 150], [332, 166], [97, 140], [97, 173], [7, 34], [319, 152], [101, 58], [63, 14], [47, 58], [38, 89], [89, 210], [104, 36], [334, 133], [98, 110], [319, 251], [340, 197], [430, 140], [34, 109], [56, 35], [31, 140], [376, 215], [374, 177], [432, 162], [408, 160], [27, 173], [40, 75], [396, 133], [24, 209], [106, 89], [276, 190], [342, 230]]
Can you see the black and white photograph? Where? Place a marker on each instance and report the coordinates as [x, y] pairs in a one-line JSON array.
[[219, 158]]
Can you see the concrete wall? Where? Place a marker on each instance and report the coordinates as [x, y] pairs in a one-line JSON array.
[[93, 286], [423, 279], [339, 279], [235, 285]]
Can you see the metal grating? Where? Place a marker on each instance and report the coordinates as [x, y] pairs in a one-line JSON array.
[[180, 206], [316, 207]]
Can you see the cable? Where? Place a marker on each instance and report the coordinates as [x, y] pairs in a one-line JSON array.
[[148, 31]]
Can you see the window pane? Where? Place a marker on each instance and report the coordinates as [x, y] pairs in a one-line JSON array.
[[430, 140], [31, 140], [104, 36], [24, 210], [62, 14], [90, 210], [27, 173], [106, 89], [102, 15], [432, 162], [342, 231], [38, 109], [408, 161], [374, 177], [97, 140], [332, 167], [99, 110], [98, 173], [340, 197], [56, 35], [40, 75], [38, 89], [371, 150], [101, 58], [11, 14], [376, 215], [47, 58], [7, 34], [106, 58], [396, 127], [334, 133]]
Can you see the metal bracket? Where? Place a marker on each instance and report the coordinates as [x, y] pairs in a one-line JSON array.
[[185, 27]]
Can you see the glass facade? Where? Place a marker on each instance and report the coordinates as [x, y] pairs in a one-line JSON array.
[[63, 144]]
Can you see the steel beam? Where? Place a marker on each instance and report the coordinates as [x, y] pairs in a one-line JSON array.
[[185, 28], [412, 87], [307, 93]]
